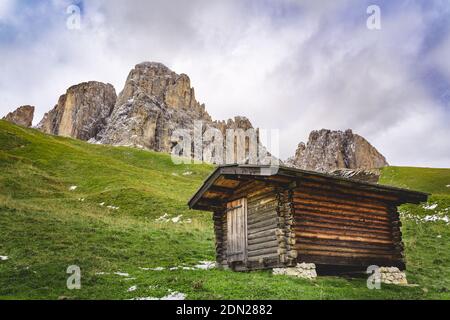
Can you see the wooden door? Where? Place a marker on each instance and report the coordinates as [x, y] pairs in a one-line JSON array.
[[237, 230]]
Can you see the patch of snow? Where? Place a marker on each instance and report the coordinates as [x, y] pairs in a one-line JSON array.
[[430, 206], [163, 218], [202, 265], [187, 173], [131, 289], [153, 269], [206, 265], [122, 274], [448, 186], [435, 217], [94, 141], [81, 199], [439, 236], [174, 295], [73, 188], [177, 219], [128, 279], [101, 273], [166, 218], [175, 174], [113, 207], [4, 258], [102, 204], [428, 218]]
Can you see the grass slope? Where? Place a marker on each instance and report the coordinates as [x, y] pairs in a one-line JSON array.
[[45, 227]]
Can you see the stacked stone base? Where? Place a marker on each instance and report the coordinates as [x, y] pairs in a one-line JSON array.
[[392, 275], [301, 270]]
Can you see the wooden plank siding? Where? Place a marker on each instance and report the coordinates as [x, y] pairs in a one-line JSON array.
[[333, 227], [237, 231]]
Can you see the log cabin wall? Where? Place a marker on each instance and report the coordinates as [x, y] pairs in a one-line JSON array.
[[266, 236], [220, 231], [285, 232], [262, 218], [335, 225]]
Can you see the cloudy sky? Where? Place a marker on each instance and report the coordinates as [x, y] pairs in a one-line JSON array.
[[288, 65]]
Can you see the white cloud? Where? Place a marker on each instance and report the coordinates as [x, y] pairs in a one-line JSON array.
[[6, 7], [296, 66]]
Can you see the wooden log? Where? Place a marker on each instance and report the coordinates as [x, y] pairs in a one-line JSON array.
[[332, 204], [350, 255], [263, 245], [261, 217], [322, 207], [344, 244], [266, 233], [263, 252], [307, 212], [261, 229], [333, 197], [268, 222], [310, 217], [349, 261], [269, 238], [335, 226], [313, 235], [262, 257], [304, 248], [339, 232]]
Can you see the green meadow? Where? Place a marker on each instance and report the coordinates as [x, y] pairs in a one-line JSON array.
[[119, 212]]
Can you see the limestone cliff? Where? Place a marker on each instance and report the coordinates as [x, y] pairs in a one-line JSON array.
[[81, 112], [328, 150], [22, 116], [154, 103]]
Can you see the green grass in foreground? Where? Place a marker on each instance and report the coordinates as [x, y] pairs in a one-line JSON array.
[[45, 227]]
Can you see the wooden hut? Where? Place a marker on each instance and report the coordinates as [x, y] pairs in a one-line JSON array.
[[277, 217]]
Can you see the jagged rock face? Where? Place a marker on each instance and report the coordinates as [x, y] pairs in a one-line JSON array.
[[328, 150], [153, 104], [81, 112], [22, 116], [237, 123]]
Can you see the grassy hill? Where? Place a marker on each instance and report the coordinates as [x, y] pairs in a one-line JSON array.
[[111, 223]]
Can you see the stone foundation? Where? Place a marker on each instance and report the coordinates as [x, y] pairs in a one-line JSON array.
[[301, 270], [392, 275]]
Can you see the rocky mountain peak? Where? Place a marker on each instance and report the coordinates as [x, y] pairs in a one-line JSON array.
[[238, 122], [329, 150], [81, 112], [170, 89], [22, 116], [155, 101]]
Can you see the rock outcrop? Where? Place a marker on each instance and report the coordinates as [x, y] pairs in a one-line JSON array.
[[22, 116], [81, 112], [154, 102], [328, 150]]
